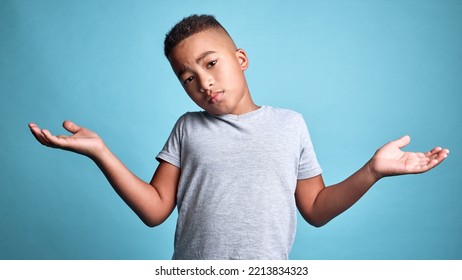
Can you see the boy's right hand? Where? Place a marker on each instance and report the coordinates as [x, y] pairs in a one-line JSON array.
[[82, 140]]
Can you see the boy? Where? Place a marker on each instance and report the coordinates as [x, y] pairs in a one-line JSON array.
[[236, 171]]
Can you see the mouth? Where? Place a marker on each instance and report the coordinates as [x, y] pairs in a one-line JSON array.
[[215, 97]]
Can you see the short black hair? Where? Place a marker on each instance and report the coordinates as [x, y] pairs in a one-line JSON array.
[[189, 26]]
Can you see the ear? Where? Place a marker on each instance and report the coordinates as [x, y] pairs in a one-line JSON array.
[[242, 58]]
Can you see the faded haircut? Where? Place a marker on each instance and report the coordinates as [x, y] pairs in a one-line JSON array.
[[189, 26]]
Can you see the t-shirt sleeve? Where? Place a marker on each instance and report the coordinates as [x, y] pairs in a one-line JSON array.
[[308, 165], [171, 152]]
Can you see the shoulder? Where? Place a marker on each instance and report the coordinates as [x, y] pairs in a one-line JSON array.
[[285, 115], [193, 121], [282, 111], [190, 118]]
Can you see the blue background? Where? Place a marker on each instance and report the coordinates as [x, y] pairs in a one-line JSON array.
[[361, 72]]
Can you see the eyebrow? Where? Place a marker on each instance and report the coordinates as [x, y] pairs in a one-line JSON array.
[[204, 55], [198, 60]]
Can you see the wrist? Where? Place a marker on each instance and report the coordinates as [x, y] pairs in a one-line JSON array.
[[376, 176], [100, 153]]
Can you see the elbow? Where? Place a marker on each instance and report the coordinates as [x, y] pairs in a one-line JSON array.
[[153, 217], [316, 221], [317, 224], [152, 221], [151, 224]]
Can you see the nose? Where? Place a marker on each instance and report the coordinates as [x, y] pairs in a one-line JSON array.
[[206, 82]]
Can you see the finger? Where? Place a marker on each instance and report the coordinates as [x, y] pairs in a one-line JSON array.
[[438, 153], [402, 142], [37, 132], [435, 160], [71, 127], [33, 127], [441, 155], [53, 140], [433, 152], [431, 164]]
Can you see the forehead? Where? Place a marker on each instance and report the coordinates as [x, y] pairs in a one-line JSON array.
[[194, 46]]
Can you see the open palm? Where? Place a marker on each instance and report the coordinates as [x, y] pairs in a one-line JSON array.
[[390, 160], [82, 140]]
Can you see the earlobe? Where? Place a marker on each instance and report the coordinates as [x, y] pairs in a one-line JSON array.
[[242, 58]]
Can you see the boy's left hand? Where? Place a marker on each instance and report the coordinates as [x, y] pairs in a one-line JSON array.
[[390, 160]]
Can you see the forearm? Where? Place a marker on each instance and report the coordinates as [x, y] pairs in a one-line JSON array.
[[152, 202], [319, 204], [335, 199], [139, 195]]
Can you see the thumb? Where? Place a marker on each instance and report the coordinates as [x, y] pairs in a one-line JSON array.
[[403, 141], [71, 127]]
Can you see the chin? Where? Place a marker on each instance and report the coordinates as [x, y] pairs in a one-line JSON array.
[[217, 111]]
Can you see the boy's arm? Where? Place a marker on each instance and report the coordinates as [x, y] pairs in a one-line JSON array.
[[152, 202], [319, 204]]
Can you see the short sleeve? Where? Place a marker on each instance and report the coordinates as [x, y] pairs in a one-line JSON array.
[[308, 164], [171, 152]]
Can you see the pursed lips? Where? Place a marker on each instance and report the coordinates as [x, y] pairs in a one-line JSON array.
[[214, 97]]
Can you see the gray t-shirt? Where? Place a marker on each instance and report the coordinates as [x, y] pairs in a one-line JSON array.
[[238, 176]]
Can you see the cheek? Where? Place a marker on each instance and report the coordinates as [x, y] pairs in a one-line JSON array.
[[234, 78], [195, 96], [230, 76]]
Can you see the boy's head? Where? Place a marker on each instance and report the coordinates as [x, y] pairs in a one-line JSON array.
[[189, 26], [209, 66]]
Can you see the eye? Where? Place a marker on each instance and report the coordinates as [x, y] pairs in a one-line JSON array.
[[212, 63], [188, 80]]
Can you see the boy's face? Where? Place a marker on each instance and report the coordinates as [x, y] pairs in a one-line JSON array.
[[211, 70]]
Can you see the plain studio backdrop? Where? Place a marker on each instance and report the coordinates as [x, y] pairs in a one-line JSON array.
[[362, 73]]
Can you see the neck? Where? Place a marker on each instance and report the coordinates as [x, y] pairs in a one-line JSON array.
[[246, 105]]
